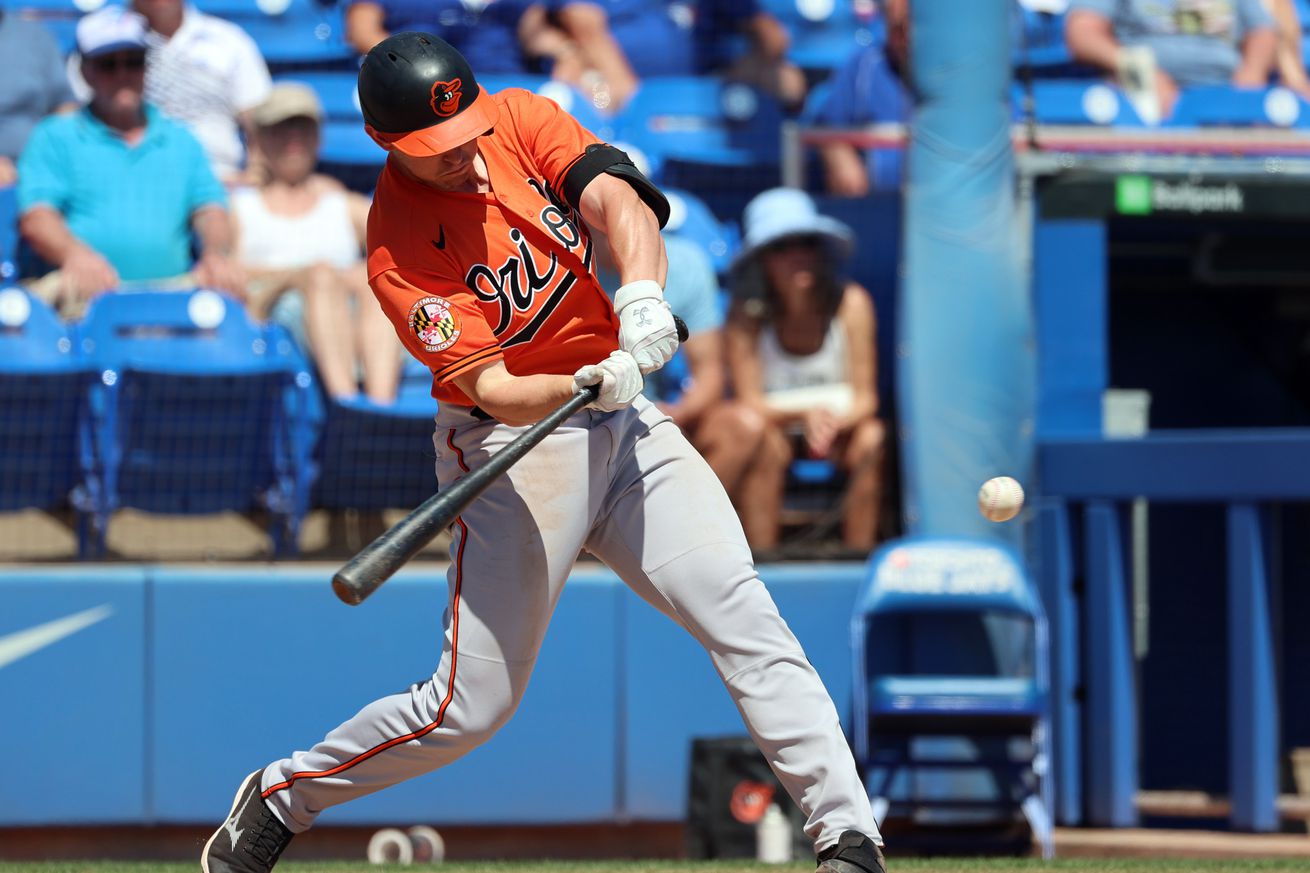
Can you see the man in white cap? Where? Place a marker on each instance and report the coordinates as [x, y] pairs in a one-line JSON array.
[[207, 73], [109, 196]]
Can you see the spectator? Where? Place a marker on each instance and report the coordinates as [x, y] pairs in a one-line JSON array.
[[494, 36], [868, 89], [720, 26], [690, 388], [206, 73], [503, 36], [1192, 42], [1291, 58], [300, 239], [801, 352], [25, 99], [659, 38], [109, 195]]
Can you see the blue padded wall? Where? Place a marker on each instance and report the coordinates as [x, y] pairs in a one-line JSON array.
[[73, 673]]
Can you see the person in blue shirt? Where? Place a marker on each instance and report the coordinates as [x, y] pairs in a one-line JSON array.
[[868, 89], [42, 87], [1194, 42], [110, 195]]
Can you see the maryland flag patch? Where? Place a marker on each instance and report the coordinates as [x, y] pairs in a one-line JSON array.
[[434, 323]]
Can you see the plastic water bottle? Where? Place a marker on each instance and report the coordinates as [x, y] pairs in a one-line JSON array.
[[773, 837]]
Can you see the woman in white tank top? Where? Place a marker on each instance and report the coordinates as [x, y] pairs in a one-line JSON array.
[[802, 356], [300, 237]]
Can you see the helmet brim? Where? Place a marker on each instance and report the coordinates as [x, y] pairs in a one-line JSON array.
[[443, 136]]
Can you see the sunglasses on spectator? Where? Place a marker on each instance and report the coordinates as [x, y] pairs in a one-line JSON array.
[[800, 241], [132, 62]]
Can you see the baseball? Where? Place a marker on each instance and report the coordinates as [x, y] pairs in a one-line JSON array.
[[1000, 499]]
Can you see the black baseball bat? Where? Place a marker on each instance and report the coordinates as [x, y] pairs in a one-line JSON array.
[[380, 559]]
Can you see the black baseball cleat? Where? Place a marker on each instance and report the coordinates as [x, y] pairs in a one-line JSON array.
[[251, 839], [853, 853]]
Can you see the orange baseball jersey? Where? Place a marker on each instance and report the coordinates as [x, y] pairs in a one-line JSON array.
[[468, 278]]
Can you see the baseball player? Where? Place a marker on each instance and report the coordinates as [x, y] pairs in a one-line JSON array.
[[480, 248]]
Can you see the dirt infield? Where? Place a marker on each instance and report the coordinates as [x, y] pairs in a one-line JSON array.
[[660, 846]]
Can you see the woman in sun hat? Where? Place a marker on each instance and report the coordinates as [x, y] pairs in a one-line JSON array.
[[802, 352]]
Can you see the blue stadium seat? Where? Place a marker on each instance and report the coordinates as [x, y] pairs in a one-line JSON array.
[[347, 153], [720, 140], [1039, 42], [380, 457], [951, 690], [295, 42], [1222, 106], [689, 217], [46, 457], [1077, 101], [337, 90], [824, 33], [8, 232], [243, 11], [191, 411]]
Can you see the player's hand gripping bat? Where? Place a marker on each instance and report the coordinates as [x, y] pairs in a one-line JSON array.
[[377, 561]]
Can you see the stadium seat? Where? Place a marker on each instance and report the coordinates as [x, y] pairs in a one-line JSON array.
[[1222, 106], [377, 457], [337, 90], [191, 410], [8, 232], [243, 11], [296, 42], [1039, 45], [720, 140], [824, 33], [951, 694], [1076, 101], [46, 457], [689, 217]]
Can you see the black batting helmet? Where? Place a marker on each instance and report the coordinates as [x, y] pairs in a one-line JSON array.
[[419, 96]]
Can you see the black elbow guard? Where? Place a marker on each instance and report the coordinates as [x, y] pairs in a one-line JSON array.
[[604, 158]]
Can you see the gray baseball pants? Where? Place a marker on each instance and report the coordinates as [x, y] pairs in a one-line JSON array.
[[629, 488]]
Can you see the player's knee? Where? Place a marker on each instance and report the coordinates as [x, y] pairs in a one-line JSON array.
[[481, 726]]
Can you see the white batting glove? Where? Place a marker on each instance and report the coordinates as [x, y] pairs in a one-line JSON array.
[[619, 378], [646, 327]]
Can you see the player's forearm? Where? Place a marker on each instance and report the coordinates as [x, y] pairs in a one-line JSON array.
[[630, 229], [523, 400]]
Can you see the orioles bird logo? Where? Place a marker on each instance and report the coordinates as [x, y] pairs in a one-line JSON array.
[[445, 97]]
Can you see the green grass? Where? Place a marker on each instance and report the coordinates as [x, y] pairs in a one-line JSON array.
[[907, 865]]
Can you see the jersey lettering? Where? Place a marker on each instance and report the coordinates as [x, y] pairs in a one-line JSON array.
[[514, 286]]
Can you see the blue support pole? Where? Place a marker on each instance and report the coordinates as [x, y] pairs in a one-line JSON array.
[[1055, 578], [965, 380], [1110, 672], [1071, 298], [1252, 691]]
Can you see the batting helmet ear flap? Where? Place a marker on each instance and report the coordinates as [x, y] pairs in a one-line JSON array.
[[604, 158]]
